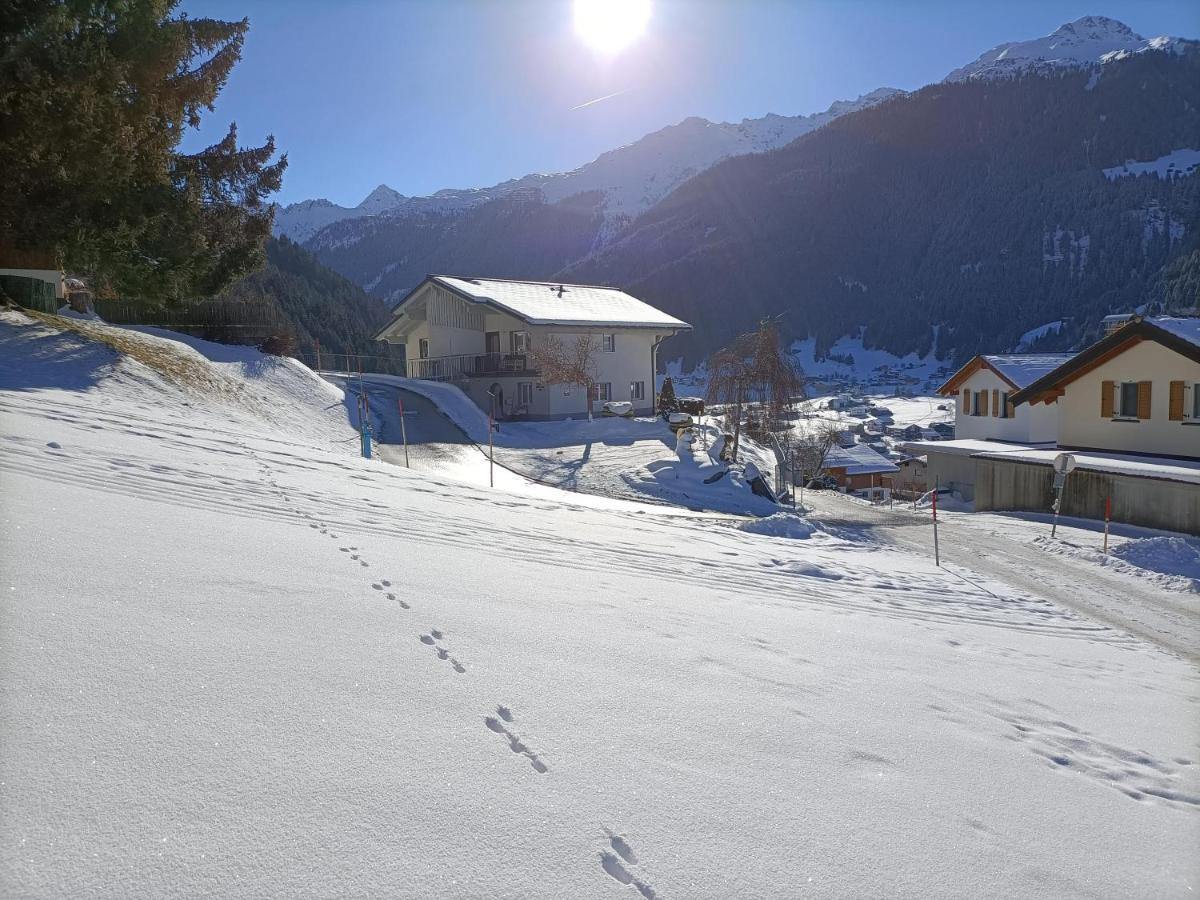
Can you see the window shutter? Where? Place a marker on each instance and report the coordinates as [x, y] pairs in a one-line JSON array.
[[995, 402], [1175, 413], [1012, 409], [1107, 389], [1143, 399], [966, 401], [983, 403]]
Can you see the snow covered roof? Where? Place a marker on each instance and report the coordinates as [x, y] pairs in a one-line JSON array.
[[558, 303], [1188, 329], [858, 460], [1019, 369], [1180, 334], [1163, 467], [1023, 369]]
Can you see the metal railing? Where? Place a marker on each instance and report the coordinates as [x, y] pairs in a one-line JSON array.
[[470, 365]]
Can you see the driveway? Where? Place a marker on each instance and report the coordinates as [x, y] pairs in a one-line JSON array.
[[1168, 619]]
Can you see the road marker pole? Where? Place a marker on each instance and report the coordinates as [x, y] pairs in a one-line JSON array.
[[1107, 516], [937, 556], [403, 431]]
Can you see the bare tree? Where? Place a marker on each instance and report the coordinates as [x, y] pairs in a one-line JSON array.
[[811, 449], [754, 369], [568, 363]]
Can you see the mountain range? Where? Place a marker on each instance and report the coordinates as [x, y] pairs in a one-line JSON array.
[[855, 215]]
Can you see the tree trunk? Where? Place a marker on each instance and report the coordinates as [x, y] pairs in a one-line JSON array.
[[737, 423]]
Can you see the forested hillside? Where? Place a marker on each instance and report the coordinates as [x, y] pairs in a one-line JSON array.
[[319, 304], [518, 236], [980, 209]]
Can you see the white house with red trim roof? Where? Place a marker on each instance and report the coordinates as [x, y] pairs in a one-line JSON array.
[[481, 334]]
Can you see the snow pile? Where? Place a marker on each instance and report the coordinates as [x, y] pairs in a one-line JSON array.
[[780, 525], [234, 655], [1177, 557]]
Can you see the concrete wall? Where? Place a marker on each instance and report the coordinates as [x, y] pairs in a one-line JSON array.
[[1083, 426], [1153, 503], [1028, 424], [950, 471]]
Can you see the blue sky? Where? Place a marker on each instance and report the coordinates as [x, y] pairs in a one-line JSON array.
[[451, 93]]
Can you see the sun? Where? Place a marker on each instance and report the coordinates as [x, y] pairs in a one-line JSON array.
[[609, 26]]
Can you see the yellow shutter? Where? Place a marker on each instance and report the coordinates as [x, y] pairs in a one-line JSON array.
[[995, 402], [1175, 413], [966, 401], [983, 406], [1107, 389], [1012, 409], [1143, 399]]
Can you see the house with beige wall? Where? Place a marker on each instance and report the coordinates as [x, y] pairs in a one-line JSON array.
[[482, 334], [986, 417], [1135, 391]]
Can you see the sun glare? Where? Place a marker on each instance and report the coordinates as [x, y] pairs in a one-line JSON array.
[[609, 26]]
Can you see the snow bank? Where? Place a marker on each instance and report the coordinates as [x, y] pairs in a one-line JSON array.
[[239, 660], [780, 525]]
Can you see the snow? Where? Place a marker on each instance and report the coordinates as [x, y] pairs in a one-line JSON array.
[[858, 460], [1163, 467], [238, 659], [1023, 369], [1186, 328], [971, 446], [631, 178], [1029, 338], [1176, 164], [848, 360], [1089, 41], [540, 303]]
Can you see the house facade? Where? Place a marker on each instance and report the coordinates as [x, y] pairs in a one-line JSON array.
[[483, 335], [1135, 391], [983, 392]]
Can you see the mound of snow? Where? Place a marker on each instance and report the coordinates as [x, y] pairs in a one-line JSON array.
[[1167, 555], [780, 525]]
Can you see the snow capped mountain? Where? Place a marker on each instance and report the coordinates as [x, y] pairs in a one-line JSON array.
[[1089, 41], [632, 178]]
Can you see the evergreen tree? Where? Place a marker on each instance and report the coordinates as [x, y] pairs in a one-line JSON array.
[[95, 96], [666, 397]]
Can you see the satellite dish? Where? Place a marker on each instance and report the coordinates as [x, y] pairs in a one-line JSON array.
[[1064, 463]]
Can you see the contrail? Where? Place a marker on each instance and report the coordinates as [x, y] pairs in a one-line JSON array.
[[600, 99]]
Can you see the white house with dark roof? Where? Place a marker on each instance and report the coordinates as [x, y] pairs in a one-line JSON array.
[[480, 333]]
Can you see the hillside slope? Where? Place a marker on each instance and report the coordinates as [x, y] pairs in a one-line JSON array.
[[981, 208], [236, 659]]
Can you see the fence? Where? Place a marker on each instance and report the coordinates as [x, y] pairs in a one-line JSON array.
[[217, 314], [32, 293]]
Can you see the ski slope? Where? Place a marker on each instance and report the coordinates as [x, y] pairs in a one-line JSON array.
[[239, 661]]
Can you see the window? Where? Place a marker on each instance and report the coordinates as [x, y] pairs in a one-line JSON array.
[[1003, 408], [602, 391], [1196, 402], [1127, 400], [519, 341], [979, 403], [608, 343], [423, 348], [525, 394], [637, 390]]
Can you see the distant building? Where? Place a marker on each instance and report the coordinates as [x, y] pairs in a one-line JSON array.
[[858, 467], [481, 334]]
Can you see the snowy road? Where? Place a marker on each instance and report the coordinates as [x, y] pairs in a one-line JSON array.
[[1168, 619]]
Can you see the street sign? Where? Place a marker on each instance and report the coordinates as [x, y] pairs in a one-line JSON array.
[[1064, 464]]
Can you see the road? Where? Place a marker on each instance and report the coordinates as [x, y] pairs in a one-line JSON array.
[[1169, 619]]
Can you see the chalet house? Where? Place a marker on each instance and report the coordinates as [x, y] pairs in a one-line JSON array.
[[985, 417], [482, 334], [1137, 390]]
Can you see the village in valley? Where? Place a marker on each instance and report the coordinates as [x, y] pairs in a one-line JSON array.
[[597, 534]]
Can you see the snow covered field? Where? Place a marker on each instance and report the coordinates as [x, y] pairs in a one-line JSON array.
[[237, 660]]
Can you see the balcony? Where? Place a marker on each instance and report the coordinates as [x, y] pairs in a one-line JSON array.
[[471, 365]]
